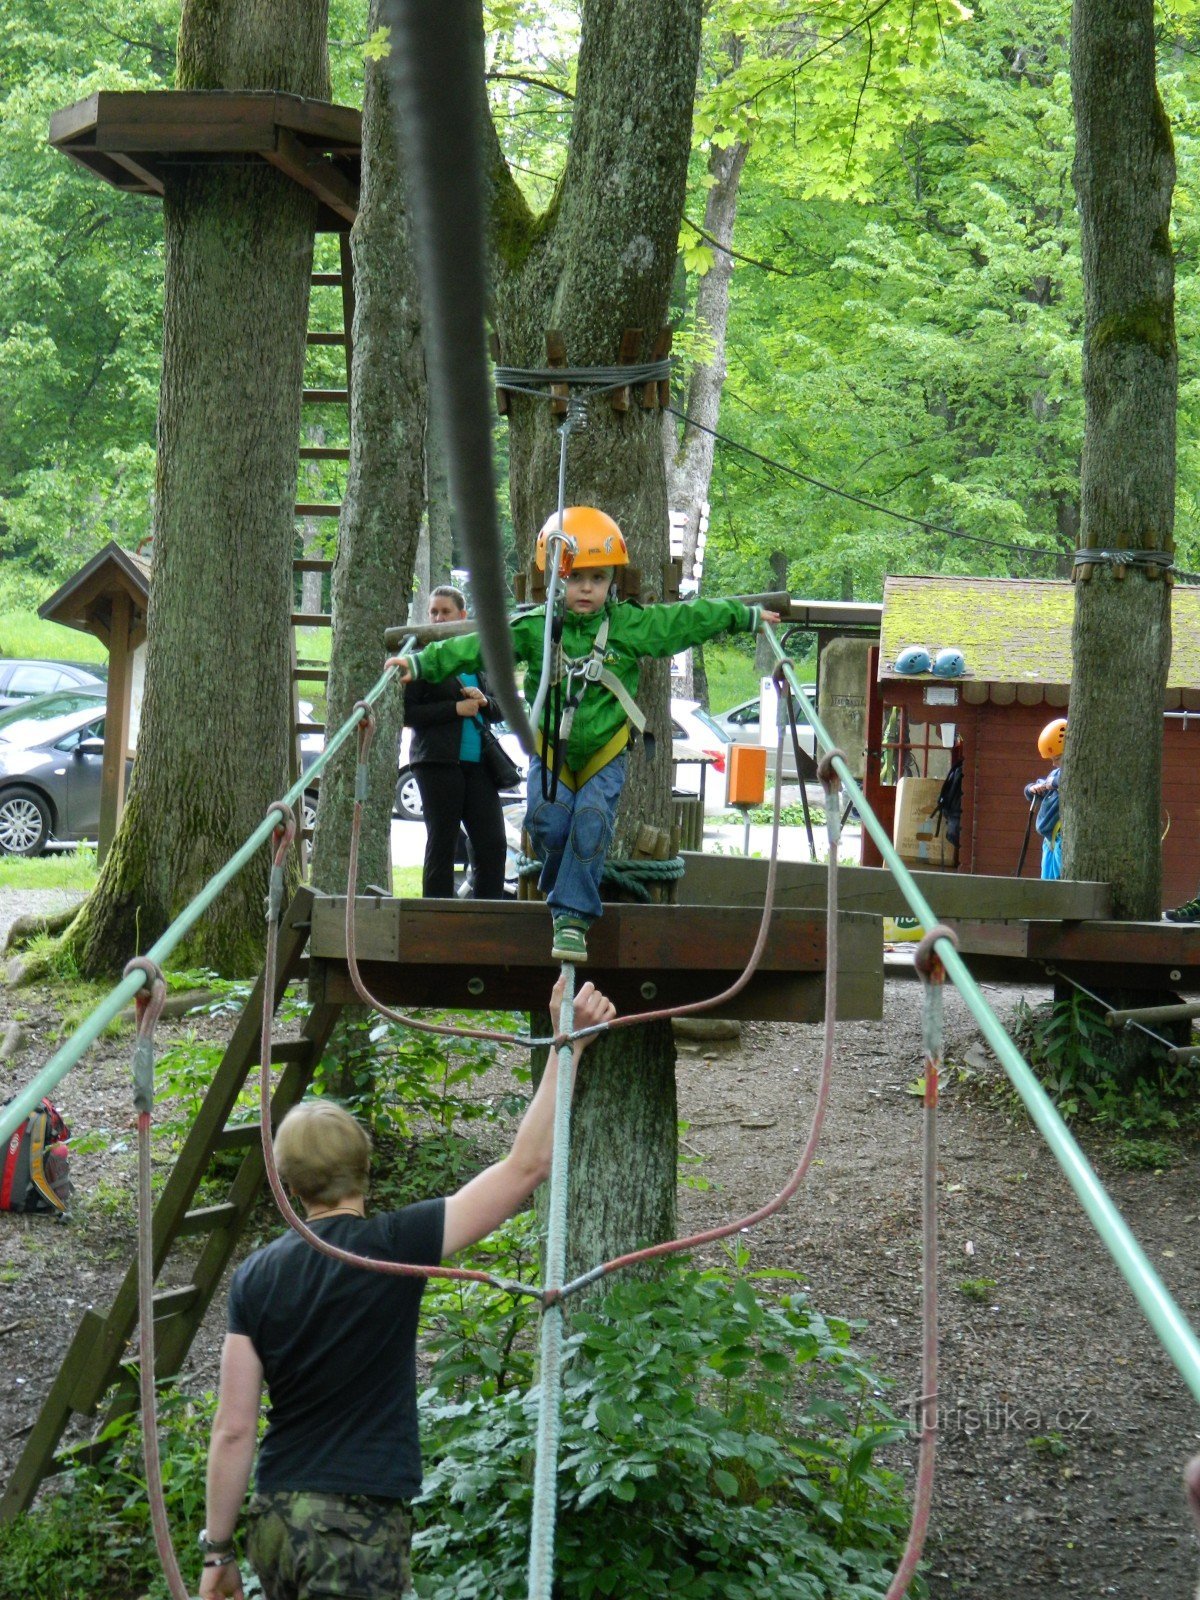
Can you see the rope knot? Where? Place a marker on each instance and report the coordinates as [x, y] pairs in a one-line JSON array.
[[926, 959], [148, 1002], [825, 770]]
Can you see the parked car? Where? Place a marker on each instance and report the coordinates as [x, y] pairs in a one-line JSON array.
[[51, 754], [407, 803], [741, 724], [22, 680]]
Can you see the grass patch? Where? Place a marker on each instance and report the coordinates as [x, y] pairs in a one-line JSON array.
[[977, 1289], [23, 633], [407, 882], [732, 675], [65, 869]]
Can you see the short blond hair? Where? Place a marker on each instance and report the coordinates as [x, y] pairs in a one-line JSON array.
[[322, 1154]]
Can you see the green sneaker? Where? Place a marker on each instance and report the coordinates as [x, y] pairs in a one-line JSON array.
[[1186, 913], [570, 940]]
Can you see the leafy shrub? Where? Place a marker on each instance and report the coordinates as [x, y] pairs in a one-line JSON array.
[[1065, 1043], [715, 1443], [89, 1537]]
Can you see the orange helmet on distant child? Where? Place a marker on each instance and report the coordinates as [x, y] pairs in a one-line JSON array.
[[596, 540], [1052, 739]]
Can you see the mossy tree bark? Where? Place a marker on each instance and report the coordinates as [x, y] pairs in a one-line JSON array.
[[1124, 175], [213, 746], [599, 261], [381, 510]]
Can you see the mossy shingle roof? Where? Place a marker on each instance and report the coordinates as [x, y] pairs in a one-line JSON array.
[[1011, 630]]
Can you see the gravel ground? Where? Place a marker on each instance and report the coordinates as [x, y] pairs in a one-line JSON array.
[[1064, 1430]]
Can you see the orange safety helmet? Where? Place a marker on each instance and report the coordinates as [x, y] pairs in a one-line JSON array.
[[596, 540], [1052, 738]]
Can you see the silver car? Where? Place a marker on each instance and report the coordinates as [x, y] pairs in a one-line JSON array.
[[51, 753]]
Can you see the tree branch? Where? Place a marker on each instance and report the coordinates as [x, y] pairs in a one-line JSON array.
[[533, 83], [766, 266]]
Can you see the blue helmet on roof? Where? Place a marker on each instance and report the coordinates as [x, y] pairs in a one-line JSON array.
[[949, 664], [912, 659]]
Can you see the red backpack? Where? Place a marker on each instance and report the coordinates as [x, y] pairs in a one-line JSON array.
[[35, 1172]]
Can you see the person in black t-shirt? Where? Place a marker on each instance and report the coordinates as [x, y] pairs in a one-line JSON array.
[[336, 1347]]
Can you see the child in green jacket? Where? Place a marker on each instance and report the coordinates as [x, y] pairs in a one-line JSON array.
[[597, 660]]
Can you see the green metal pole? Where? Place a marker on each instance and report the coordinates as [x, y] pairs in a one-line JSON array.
[[1164, 1316], [29, 1098]]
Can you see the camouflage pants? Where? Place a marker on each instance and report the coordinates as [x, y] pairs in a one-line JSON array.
[[330, 1546]]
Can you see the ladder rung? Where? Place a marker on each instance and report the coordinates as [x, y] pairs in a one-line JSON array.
[[324, 452], [237, 1135], [311, 619], [312, 564], [308, 727], [326, 397], [326, 279], [326, 338], [168, 1301], [207, 1219], [317, 508], [310, 675]]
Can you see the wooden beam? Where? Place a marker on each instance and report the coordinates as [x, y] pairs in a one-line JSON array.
[[315, 172], [144, 174], [956, 896], [116, 722]]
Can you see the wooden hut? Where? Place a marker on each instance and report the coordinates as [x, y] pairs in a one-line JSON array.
[[107, 598], [1016, 639]]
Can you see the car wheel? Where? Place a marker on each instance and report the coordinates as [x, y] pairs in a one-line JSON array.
[[408, 797], [24, 822], [309, 814]]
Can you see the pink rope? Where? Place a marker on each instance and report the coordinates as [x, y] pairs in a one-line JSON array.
[[933, 980], [284, 837], [709, 1235], [149, 1003]]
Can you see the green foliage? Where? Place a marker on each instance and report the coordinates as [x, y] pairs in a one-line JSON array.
[[1066, 1044], [716, 1441], [413, 1088], [977, 1289], [90, 1536]]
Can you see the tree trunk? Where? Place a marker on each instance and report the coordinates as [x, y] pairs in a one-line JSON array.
[[381, 513], [690, 457], [1124, 173], [213, 745], [601, 261]]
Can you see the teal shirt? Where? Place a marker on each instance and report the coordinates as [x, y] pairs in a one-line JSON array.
[[471, 745]]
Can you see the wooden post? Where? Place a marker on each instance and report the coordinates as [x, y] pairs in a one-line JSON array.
[[116, 721]]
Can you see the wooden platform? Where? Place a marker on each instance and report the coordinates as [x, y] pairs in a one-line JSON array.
[[495, 955], [133, 140], [1011, 930]]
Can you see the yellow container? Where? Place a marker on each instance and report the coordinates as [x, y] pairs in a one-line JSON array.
[[746, 775]]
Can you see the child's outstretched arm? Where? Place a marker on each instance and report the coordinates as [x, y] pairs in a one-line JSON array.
[[663, 630]]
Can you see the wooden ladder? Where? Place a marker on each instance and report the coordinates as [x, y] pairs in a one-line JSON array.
[[301, 670], [96, 1358]]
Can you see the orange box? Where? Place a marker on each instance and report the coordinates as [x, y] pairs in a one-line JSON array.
[[746, 775]]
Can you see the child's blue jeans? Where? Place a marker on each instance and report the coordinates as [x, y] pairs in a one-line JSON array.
[[571, 834]]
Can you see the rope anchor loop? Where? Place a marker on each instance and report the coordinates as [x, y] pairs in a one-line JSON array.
[[148, 1004]]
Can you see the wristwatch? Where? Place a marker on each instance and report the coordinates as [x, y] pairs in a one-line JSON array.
[[215, 1547]]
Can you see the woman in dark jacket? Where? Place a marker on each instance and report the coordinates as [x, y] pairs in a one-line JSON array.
[[456, 790]]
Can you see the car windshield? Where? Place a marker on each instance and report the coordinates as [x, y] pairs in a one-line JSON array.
[[713, 727], [44, 720]]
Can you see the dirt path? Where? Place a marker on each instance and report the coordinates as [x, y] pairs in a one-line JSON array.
[[1063, 1429]]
